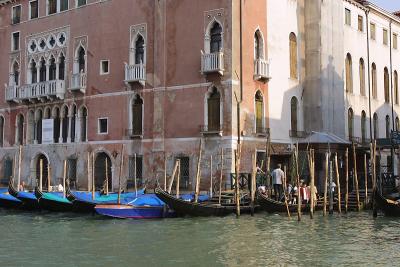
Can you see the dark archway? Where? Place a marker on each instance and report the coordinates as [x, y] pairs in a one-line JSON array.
[[100, 171], [45, 170]]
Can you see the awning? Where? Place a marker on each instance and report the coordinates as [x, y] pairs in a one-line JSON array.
[[324, 138]]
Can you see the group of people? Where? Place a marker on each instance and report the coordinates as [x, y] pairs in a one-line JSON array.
[[291, 191]]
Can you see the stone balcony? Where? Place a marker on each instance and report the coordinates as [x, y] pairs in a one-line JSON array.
[[261, 70], [78, 82], [135, 74], [212, 63], [42, 91]]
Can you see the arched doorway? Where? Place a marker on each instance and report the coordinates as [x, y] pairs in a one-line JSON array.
[[100, 171], [45, 170]]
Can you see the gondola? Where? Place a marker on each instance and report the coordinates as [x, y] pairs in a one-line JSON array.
[[9, 202], [272, 206], [389, 207], [83, 201], [28, 199], [188, 208], [53, 201], [143, 207]]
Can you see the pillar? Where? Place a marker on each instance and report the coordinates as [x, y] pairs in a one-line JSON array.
[[60, 138], [69, 117]]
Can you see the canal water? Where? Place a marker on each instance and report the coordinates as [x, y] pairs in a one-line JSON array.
[[48, 239]]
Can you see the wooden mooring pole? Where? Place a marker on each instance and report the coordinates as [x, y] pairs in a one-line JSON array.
[[64, 177], [178, 179], [40, 175], [365, 180], [49, 178], [284, 191], [19, 166], [221, 176], [93, 179], [338, 184], [171, 182], [165, 172], [346, 198], [237, 191], [326, 181], [356, 178], [198, 174], [312, 187], [374, 189], [296, 157], [135, 174], [121, 167], [253, 181], [106, 164], [211, 176]]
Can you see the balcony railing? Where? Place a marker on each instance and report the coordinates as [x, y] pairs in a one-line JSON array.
[[134, 133], [36, 91], [297, 134], [78, 82], [261, 70], [213, 62], [135, 73], [211, 130]]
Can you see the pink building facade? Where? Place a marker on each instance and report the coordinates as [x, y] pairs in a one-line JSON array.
[[123, 88]]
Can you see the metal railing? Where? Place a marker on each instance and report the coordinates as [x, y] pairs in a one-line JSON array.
[[261, 69], [212, 62], [135, 73], [78, 81], [54, 88]]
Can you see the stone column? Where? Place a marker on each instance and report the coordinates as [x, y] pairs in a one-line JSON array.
[[60, 138], [47, 71], [78, 128], [69, 117], [57, 69], [35, 141]]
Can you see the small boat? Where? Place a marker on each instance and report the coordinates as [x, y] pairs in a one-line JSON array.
[[142, 207], [9, 202], [53, 201], [28, 199], [84, 202], [389, 207], [206, 208], [271, 205]]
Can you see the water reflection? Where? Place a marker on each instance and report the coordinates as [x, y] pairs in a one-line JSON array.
[[36, 239]]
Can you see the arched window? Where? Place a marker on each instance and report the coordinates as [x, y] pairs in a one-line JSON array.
[[363, 126], [1, 131], [350, 123], [139, 50], [33, 72], [293, 55], [38, 121], [61, 67], [349, 74], [65, 123], [258, 45], [362, 77], [214, 110], [52, 69], [47, 113], [20, 130], [259, 112], [73, 123], [42, 70], [397, 124], [16, 73], [387, 123], [84, 117], [216, 38], [100, 173], [374, 81], [8, 167], [396, 87], [81, 60], [376, 126], [293, 115], [386, 85], [137, 116]]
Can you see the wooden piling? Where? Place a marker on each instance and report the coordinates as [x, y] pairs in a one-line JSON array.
[[237, 192], [48, 178], [178, 178], [93, 180], [346, 198], [326, 181], [40, 175], [106, 189], [312, 188], [14, 172], [64, 176], [134, 174], [171, 182], [374, 189], [88, 171], [338, 184], [284, 191], [356, 178], [211, 176], [298, 183], [198, 173], [253, 182], [365, 180], [121, 167], [221, 176], [19, 166], [165, 172]]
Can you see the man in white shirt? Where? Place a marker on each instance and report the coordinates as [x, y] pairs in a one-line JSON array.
[[277, 178]]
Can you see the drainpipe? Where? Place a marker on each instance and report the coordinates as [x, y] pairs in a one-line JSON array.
[[391, 92], [369, 77]]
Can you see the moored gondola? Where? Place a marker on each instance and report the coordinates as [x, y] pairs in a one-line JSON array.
[[389, 207], [188, 208], [53, 201], [9, 202], [28, 199]]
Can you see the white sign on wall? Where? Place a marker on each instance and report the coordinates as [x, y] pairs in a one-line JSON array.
[[47, 131]]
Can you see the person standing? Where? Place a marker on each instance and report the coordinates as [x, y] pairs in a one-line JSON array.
[[277, 178]]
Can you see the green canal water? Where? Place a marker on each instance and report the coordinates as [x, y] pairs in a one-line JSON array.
[[47, 239]]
